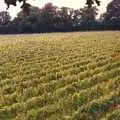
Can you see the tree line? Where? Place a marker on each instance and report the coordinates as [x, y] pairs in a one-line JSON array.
[[51, 18], [26, 6]]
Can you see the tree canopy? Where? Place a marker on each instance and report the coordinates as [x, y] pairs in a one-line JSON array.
[[51, 18], [25, 6], [113, 11]]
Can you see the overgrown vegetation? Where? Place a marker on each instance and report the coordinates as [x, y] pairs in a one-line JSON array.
[[75, 76]]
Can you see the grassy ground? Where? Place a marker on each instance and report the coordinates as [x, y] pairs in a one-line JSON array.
[[60, 76]]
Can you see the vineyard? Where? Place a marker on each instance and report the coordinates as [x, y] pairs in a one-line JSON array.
[[60, 76]]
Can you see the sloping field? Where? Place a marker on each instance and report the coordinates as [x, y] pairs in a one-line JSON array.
[[60, 76]]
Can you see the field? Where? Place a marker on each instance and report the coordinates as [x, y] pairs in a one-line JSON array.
[[60, 76]]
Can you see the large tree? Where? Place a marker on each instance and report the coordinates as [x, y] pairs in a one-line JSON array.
[[111, 19], [113, 11], [29, 23], [88, 14], [48, 14], [88, 17]]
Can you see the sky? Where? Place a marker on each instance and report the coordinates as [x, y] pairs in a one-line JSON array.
[[76, 4]]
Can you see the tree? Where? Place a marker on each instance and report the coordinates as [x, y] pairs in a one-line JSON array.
[[29, 23], [48, 14], [4, 18], [25, 6], [49, 18], [91, 2], [65, 17], [5, 21], [111, 19], [88, 17], [113, 11], [88, 14]]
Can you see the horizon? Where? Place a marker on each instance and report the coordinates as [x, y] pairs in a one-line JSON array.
[[76, 4]]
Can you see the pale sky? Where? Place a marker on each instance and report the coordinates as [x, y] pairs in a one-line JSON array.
[[40, 3]]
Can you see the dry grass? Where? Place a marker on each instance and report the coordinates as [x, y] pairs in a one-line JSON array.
[[60, 76]]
